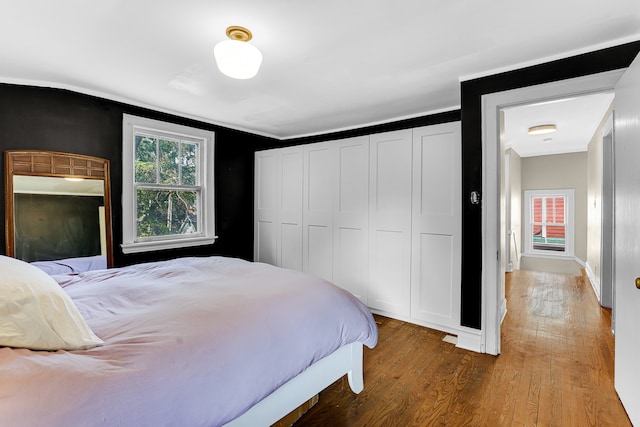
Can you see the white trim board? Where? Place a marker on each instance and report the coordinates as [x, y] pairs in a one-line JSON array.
[[492, 150], [594, 282]]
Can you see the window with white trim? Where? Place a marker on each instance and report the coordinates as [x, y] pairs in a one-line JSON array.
[[549, 222], [167, 188]]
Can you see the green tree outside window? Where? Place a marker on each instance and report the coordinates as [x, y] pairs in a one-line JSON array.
[[167, 194]]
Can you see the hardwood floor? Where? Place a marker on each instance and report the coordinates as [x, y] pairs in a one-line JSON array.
[[556, 368]]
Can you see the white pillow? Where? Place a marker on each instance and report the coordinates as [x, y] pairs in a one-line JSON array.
[[36, 313]]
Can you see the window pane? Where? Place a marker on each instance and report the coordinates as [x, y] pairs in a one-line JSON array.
[[549, 238], [549, 226], [549, 217], [188, 164], [146, 159], [167, 212], [555, 232], [559, 207], [537, 233], [169, 162], [537, 209]]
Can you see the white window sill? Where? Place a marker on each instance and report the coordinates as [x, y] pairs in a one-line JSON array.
[[137, 247]]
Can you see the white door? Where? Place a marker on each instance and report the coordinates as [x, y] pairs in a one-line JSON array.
[[289, 210], [390, 222], [317, 211], [265, 202], [278, 207], [627, 240], [436, 223], [351, 217]]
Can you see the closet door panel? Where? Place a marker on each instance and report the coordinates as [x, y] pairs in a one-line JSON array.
[[265, 211], [318, 251], [319, 166], [291, 246], [351, 216], [291, 185], [350, 271], [317, 215], [353, 179], [436, 190], [389, 272], [266, 243], [290, 209], [436, 235], [436, 278], [392, 182], [390, 221]]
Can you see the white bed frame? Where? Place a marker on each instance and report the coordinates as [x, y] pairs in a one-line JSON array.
[[317, 377]]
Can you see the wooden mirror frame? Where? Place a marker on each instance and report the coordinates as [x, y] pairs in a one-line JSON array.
[[58, 165]]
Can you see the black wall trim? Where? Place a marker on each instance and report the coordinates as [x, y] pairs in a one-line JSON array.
[[471, 91], [432, 119]]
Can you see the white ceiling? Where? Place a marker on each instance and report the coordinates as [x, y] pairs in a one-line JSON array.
[[576, 120], [328, 65]]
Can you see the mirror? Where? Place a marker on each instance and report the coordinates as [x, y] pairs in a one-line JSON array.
[[57, 206]]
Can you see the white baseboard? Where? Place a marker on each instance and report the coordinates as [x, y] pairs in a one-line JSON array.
[[503, 310], [470, 339], [595, 284], [438, 327]]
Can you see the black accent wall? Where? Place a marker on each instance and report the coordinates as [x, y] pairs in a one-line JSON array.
[[61, 120], [471, 91]]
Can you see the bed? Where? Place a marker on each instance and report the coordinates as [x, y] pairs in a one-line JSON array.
[[193, 341]]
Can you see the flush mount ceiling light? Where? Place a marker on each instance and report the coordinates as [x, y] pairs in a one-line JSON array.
[[235, 57], [541, 129]]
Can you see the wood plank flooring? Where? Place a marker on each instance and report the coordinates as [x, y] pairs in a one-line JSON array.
[[555, 369]]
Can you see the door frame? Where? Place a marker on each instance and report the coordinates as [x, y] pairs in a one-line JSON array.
[[607, 288], [493, 233]]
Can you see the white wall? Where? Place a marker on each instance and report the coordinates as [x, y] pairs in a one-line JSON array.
[[515, 178]]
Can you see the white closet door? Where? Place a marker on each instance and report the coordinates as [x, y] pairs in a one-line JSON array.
[[436, 223], [289, 218], [390, 222], [265, 206], [351, 216], [317, 215]]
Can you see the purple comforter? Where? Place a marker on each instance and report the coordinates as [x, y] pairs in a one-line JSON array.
[[72, 265], [191, 341]]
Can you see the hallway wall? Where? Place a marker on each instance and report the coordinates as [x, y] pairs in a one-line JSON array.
[[594, 201], [515, 184]]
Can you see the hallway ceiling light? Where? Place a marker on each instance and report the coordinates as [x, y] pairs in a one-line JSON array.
[[235, 57], [541, 129]]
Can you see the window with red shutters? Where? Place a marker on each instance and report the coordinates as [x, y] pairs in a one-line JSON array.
[[548, 221]]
